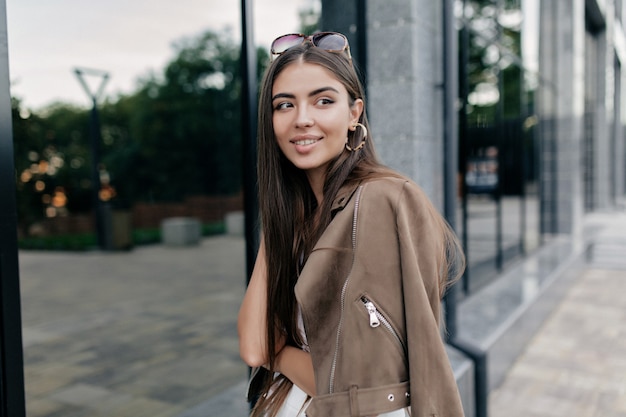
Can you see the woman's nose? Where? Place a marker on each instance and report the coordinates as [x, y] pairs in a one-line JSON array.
[[304, 118]]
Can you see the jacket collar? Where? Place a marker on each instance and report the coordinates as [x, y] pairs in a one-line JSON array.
[[344, 195]]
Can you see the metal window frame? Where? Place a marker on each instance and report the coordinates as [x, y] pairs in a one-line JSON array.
[[12, 401]]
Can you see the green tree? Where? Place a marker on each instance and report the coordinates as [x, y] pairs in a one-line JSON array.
[[51, 162], [177, 135], [493, 56], [182, 132], [309, 20]]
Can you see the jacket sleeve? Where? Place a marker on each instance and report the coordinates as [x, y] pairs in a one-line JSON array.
[[433, 387]]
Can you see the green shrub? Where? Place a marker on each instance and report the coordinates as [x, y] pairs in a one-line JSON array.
[[88, 241]]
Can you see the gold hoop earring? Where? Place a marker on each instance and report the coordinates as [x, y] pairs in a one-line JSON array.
[[362, 143]]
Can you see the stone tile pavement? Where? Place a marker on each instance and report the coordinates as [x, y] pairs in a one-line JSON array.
[[151, 332], [576, 364], [148, 332]]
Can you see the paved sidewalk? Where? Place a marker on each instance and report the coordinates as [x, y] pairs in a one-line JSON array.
[[576, 364], [148, 332], [152, 332]]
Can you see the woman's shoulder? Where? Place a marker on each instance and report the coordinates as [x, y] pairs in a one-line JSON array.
[[392, 185], [393, 192]]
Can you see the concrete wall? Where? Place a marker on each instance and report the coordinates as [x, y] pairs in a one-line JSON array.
[[405, 97], [561, 106], [404, 77]]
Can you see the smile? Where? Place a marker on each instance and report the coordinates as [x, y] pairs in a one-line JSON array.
[[305, 142]]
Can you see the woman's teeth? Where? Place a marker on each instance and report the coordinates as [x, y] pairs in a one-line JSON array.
[[305, 142]]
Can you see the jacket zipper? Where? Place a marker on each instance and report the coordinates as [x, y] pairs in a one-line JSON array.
[[343, 291], [377, 318]]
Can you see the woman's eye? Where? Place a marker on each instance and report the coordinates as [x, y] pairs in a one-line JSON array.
[[325, 101], [282, 106]]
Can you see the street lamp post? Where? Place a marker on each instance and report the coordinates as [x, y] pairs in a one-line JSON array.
[[95, 137]]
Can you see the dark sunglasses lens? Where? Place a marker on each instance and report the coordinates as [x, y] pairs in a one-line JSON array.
[[330, 41], [283, 43]]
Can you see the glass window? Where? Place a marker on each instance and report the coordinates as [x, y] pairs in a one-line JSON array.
[[498, 138]]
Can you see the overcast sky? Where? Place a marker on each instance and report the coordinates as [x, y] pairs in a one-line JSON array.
[[126, 38]]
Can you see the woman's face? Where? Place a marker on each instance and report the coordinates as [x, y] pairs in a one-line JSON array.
[[311, 117]]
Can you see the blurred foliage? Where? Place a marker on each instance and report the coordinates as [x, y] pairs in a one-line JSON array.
[[494, 57], [499, 115], [51, 161], [75, 242], [309, 20], [177, 135], [87, 241]]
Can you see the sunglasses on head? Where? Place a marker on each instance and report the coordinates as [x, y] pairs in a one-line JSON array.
[[328, 41]]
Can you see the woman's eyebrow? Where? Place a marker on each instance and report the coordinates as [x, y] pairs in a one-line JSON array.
[[321, 90], [311, 94], [283, 95]]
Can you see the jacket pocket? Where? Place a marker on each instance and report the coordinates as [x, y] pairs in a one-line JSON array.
[[378, 319]]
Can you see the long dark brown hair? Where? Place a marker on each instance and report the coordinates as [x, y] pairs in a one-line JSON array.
[[291, 219]]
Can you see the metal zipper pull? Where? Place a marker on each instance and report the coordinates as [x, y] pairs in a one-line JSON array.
[[371, 309]]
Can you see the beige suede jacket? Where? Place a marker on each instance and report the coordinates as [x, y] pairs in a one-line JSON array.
[[370, 301]]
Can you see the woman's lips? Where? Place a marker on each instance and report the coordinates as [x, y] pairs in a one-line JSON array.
[[305, 144]]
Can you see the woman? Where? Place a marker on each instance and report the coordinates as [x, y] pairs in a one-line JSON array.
[[343, 304]]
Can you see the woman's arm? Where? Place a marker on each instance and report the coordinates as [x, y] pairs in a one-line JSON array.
[[296, 364], [252, 321], [292, 362]]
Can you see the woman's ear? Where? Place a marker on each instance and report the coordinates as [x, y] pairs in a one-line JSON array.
[[356, 110]]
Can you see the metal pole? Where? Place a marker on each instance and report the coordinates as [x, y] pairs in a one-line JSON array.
[[12, 403], [248, 135], [499, 145], [463, 127], [361, 43], [94, 133], [451, 154], [248, 62], [95, 176], [450, 137], [524, 114], [481, 374]]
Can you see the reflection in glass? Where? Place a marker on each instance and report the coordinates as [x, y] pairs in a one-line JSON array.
[[498, 139]]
